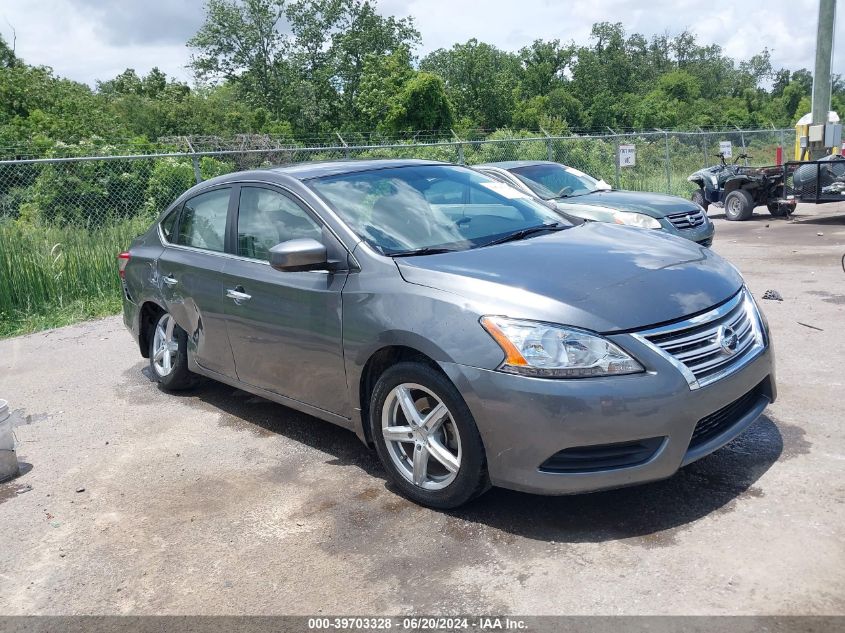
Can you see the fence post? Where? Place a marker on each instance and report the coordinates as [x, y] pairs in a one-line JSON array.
[[618, 183], [550, 153], [668, 164], [703, 146], [461, 159], [197, 173], [742, 140], [194, 160], [345, 146]]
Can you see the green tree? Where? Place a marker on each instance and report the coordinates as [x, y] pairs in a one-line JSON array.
[[240, 42], [422, 104], [365, 32], [382, 79], [544, 64], [480, 81], [7, 55]]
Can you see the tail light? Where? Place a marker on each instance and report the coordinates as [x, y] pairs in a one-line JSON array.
[[122, 260]]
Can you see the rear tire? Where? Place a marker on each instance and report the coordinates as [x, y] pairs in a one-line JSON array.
[[426, 437], [169, 355], [699, 199], [739, 205], [780, 209]]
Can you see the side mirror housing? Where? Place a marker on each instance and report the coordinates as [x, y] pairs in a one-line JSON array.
[[298, 255]]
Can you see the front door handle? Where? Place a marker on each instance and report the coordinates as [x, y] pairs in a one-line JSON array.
[[238, 295], [170, 281]]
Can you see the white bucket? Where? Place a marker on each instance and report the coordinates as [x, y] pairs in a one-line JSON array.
[[8, 458]]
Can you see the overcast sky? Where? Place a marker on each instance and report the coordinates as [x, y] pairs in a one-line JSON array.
[[89, 40]]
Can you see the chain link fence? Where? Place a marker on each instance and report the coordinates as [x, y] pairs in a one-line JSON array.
[[62, 220], [92, 192]]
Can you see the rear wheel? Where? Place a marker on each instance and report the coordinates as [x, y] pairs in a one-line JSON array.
[[780, 209], [169, 355], [739, 205], [426, 437], [699, 199]]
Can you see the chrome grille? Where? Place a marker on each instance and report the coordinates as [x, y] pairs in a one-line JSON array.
[[687, 219], [711, 345]]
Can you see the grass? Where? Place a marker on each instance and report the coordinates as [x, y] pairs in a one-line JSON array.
[[55, 276]]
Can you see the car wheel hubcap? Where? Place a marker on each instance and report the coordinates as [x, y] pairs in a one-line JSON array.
[[421, 436], [164, 346], [734, 206]]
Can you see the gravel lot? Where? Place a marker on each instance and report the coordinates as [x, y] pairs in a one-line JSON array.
[[218, 502]]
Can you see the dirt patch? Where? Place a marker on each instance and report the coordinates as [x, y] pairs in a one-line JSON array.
[[828, 297]]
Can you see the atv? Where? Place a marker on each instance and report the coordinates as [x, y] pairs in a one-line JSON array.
[[739, 189]]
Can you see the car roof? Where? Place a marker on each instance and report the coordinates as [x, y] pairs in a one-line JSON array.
[[317, 169], [283, 174], [512, 164]]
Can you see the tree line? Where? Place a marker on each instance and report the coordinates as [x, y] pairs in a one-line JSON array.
[[305, 68]]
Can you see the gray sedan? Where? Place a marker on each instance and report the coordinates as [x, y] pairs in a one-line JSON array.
[[577, 195], [460, 327]]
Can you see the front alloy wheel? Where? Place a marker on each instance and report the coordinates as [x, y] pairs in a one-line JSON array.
[[426, 437], [421, 437]]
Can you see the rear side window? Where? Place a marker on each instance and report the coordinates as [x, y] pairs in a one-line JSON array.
[[203, 221], [168, 224], [266, 218]]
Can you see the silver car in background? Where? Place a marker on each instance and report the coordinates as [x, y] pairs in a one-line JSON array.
[[462, 328]]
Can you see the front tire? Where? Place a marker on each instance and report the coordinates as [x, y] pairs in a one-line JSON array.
[[426, 437], [169, 355], [698, 197], [739, 205]]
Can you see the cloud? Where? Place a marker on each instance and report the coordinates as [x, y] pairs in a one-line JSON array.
[[128, 22], [786, 27], [88, 40]]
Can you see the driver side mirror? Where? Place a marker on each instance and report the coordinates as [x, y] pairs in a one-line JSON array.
[[300, 255]]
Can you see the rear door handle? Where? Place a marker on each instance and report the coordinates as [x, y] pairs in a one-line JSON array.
[[170, 281], [238, 295]]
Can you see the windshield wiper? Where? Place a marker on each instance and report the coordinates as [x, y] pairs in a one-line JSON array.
[[523, 233], [578, 195], [426, 250]]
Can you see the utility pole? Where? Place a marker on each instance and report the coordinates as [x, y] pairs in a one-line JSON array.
[[821, 75]]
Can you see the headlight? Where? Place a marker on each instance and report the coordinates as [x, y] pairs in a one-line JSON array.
[[554, 351], [635, 219]]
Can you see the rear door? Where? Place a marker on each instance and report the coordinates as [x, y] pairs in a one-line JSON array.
[[285, 327], [190, 275]]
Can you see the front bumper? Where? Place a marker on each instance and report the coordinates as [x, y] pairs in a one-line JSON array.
[[525, 421]]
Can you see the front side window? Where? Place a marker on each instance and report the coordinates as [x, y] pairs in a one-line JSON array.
[[433, 206], [266, 218], [203, 221]]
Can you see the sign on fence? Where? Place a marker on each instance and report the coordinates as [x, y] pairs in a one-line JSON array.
[[627, 155], [725, 148]]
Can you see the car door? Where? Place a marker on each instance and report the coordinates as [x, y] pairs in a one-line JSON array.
[[190, 277], [285, 327]]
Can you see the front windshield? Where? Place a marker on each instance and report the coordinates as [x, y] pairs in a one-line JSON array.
[[551, 181], [430, 207]]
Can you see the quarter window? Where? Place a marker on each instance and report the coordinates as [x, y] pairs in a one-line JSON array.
[[168, 224], [203, 221], [266, 218]]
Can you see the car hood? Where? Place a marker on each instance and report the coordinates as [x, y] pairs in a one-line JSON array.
[[656, 205], [597, 276]]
